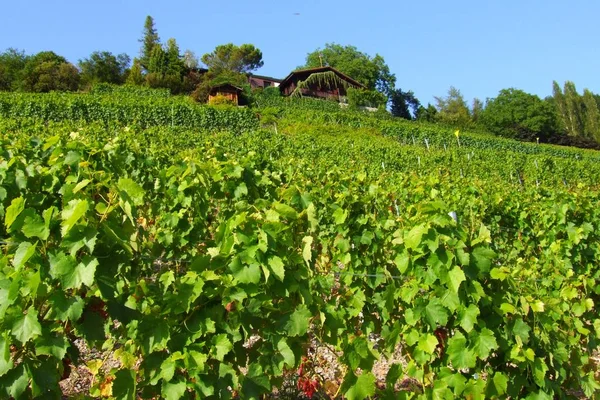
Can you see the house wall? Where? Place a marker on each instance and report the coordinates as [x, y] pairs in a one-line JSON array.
[[256, 82], [314, 91], [230, 95]]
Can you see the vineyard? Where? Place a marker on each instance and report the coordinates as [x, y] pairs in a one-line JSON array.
[[203, 251]]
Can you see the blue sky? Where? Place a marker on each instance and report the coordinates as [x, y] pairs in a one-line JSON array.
[[477, 46]]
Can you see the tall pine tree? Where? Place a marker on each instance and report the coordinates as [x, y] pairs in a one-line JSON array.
[[149, 41]]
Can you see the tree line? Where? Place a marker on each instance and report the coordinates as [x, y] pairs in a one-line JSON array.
[[566, 117]]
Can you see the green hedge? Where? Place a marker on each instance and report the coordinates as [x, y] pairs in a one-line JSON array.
[[125, 110]]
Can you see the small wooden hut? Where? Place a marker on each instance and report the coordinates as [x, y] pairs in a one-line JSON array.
[[226, 90]]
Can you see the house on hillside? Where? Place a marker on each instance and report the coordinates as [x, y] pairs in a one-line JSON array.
[[321, 82], [226, 90], [259, 81]]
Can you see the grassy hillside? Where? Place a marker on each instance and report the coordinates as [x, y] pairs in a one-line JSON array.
[[209, 257]]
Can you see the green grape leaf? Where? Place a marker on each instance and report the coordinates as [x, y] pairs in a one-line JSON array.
[[134, 191], [468, 317], [285, 210], [256, 383], [590, 384], [173, 391], [482, 258], [245, 273], [435, 313], [124, 385], [297, 324], [455, 277], [499, 383], [221, 346], [277, 267], [34, 226], [474, 389], [483, 343], [15, 382], [70, 274], [66, 308], [459, 354], [24, 252], [6, 363], [539, 372], [362, 386], [402, 261], [521, 329], [286, 352], [51, 345], [428, 343], [27, 326], [394, 374], [241, 190], [412, 240], [339, 216]]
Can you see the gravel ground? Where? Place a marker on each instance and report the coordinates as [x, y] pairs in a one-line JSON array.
[[323, 362]]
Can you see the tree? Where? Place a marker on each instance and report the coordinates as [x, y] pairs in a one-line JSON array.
[[135, 76], [175, 62], [592, 116], [47, 71], [569, 106], [158, 63], [404, 104], [428, 113], [190, 60], [358, 98], [477, 109], [104, 67], [574, 108], [372, 72], [149, 41], [12, 63], [452, 109], [517, 114], [229, 57], [166, 68]]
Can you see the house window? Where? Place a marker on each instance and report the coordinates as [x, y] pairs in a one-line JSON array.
[[267, 84]]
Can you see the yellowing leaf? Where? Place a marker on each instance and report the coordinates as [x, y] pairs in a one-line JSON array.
[[12, 212], [537, 306], [72, 213], [307, 249]]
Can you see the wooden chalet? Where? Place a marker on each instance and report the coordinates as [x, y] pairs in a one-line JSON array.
[[226, 90], [259, 81], [331, 91]]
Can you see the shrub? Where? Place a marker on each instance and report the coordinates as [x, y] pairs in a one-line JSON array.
[[219, 100], [365, 98]]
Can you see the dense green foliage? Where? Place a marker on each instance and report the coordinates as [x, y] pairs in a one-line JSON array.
[[12, 63], [104, 67], [231, 58], [365, 98], [514, 111], [172, 248], [47, 71], [372, 72], [126, 108], [129, 90]]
